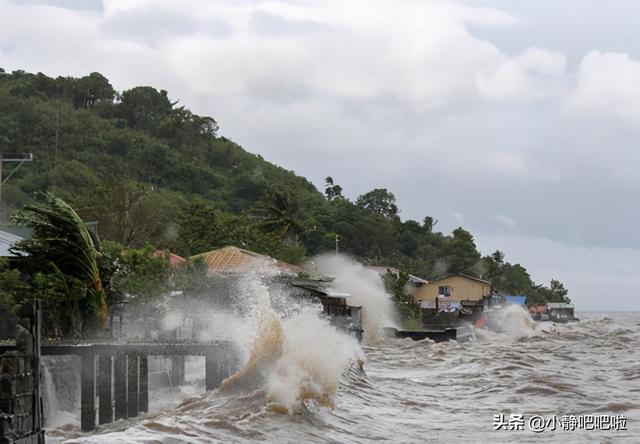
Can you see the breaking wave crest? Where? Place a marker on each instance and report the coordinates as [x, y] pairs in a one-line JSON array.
[[303, 382]]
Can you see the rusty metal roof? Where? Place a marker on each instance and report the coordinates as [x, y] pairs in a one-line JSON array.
[[238, 260], [559, 305], [382, 270]]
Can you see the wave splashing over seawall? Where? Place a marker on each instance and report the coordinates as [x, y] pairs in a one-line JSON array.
[[295, 365], [448, 392]]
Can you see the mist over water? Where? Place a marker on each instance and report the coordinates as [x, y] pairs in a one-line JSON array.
[[301, 381]]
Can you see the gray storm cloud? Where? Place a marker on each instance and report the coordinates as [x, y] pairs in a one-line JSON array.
[[491, 112]]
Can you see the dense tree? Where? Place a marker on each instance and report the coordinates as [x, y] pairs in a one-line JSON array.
[[494, 269], [379, 201], [127, 212], [140, 273], [397, 284], [148, 170], [462, 254], [86, 91], [11, 285], [198, 230], [515, 279], [145, 107], [557, 292], [428, 223]]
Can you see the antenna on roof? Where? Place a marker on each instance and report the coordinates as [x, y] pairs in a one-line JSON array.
[[15, 158]]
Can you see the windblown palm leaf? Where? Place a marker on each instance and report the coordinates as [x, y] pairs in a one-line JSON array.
[[277, 212], [62, 241]]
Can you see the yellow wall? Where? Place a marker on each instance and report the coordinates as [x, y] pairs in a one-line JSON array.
[[461, 288]]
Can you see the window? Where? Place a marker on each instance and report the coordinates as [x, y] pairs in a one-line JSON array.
[[444, 291]]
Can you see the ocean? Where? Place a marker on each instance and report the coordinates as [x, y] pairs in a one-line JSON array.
[[306, 382]]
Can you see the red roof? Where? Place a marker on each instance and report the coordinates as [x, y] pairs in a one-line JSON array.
[[174, 259]]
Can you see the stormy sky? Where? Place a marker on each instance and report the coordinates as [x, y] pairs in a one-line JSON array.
[[519, 121]]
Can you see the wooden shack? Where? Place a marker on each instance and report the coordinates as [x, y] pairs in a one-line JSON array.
[[560, 312], [456, 287]]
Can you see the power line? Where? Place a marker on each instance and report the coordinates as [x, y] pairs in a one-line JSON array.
[[15, 158]]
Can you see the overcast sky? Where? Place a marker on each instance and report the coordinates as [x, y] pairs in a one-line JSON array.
[[518, 120]]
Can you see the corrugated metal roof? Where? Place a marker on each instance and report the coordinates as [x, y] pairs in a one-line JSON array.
[[238, 260], [319, 288], [17, 230], [7, 240], [381, 269], [559, 305]]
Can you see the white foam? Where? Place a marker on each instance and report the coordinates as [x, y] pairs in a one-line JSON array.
[[365, 288]]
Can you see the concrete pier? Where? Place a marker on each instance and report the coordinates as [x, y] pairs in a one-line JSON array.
[[120, 373]]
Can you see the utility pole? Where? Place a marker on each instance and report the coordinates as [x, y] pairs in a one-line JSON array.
[[15, 158], [55, 155]]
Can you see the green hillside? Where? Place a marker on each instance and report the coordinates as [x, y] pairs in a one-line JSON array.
[[148, 170]]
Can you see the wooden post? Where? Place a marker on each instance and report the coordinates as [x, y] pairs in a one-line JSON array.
[[87, 392], [105, 405], [143, 397], [120, 385], [132, 386]]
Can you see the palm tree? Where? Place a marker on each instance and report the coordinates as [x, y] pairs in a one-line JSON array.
[[277, 212], [61, 244]]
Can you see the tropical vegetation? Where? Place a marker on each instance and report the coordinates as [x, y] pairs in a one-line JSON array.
[[155, 176]]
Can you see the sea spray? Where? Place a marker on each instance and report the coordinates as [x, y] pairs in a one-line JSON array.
[[513, 321], [314, 357], [61, 384], [295, 360], [445, 392], [365, 288], [296, 355]]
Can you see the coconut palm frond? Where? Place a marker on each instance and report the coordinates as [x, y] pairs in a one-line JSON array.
[[277, 213], [60, 237]]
